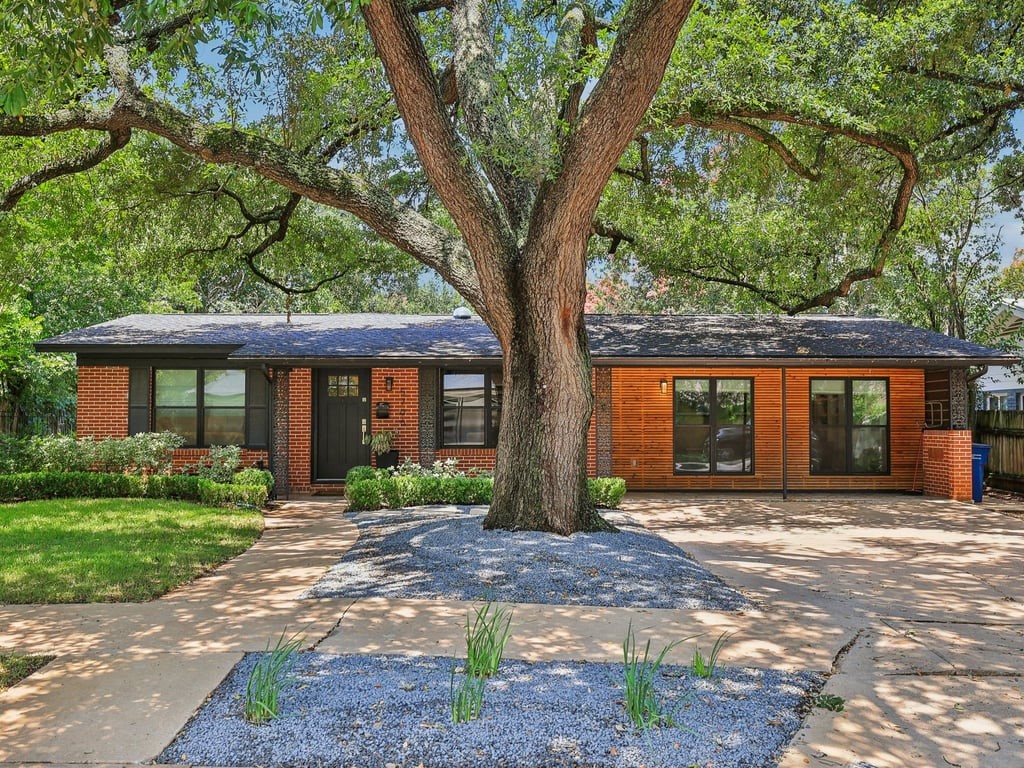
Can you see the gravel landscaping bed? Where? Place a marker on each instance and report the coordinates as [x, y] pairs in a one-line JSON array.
[[444, 553], [382, 711]]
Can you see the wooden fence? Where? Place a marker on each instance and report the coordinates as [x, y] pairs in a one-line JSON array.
[[1004, 431]]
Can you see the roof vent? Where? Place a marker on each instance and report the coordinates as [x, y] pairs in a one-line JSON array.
[[461, 313]]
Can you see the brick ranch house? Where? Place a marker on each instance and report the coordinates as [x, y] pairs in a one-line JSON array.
[[724, 402]]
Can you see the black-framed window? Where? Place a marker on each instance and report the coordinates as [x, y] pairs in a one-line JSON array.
[[206, 406], [712, 426], [849, 426], [470, 408]]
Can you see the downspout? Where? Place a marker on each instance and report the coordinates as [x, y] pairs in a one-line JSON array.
[[785, 462]]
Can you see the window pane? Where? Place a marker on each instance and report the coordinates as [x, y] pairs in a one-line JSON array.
[[692, 449], [223, 388], [733, 449], [463, 408], [692, 402], [224, 426], [735, 404], [180, 421], [496, 393], [870, 404], [828, 449], [870, 452], [175, 388], [828, 386]]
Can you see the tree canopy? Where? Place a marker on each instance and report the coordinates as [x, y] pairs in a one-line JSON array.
[[774, 147]]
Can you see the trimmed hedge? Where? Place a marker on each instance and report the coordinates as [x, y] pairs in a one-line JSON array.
[[376, 489], [27, 486], [253, 476]]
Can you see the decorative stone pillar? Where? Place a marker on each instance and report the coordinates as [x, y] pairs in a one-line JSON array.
[[959, 406], [428, 415], [603, 420], [280, 391]]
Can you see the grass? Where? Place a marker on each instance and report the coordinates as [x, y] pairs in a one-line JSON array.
[[269, 678], [639, 675], [486, 638], [113, 550], [466, 698], [705, 666], [15, 667]]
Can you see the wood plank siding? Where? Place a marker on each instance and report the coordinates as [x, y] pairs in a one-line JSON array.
[[642, 429]]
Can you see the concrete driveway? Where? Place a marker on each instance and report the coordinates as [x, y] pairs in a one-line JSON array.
[[929, 595]]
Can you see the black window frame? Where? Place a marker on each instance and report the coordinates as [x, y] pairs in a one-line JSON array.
[[713, 427], [490, 430], [256, 408], [850, 427]]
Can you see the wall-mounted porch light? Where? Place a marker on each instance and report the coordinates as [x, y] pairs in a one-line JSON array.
[[389, 383], [664, 386]]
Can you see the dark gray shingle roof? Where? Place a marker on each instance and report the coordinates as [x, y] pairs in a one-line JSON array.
[[619, 338]]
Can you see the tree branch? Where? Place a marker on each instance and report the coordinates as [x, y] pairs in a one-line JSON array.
[[480, 219], [617, 104], [118, 138], [613, 233]]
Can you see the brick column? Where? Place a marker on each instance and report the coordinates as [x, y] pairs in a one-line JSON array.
[[946, 463]]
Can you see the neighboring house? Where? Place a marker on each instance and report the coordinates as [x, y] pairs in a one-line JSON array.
[[730, 402], [1001, 389]]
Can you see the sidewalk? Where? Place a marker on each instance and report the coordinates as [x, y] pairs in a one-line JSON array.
[[874, 584]]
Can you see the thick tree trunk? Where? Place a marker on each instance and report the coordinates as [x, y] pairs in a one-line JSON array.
[[540, 475]]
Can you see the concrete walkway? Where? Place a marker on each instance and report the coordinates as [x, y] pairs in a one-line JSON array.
[[917, 604]]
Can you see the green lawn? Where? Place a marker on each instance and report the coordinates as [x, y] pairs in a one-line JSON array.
[[15, 667], [113, 550]]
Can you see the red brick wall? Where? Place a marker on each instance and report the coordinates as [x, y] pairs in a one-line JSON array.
[[300, 430], [946, 463], [405, 408], [102, 402]]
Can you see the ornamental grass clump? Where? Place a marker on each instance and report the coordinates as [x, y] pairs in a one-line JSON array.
[[704, 666], [644, 708], [268, 680], [467, 698], [486, 639]]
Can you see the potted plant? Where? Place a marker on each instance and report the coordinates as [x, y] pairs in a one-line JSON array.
[[382, 446]]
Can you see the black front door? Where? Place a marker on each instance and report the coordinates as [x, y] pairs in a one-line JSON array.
[[343, 416]]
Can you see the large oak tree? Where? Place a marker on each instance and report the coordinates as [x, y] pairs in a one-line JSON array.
[[481, 137]]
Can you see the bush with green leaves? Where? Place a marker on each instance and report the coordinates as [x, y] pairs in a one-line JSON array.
[[182, 487], [146, 453], [254, 476], [225, 493], [606, 492], [386, 490], [362, 472], [27, 486], [219, 464]]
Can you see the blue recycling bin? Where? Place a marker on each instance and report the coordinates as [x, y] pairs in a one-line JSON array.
[[979, 458]]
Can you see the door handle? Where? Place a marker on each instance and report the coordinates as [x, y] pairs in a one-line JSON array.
[[363, 424]]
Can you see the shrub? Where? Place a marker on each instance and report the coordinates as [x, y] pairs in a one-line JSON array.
[[52, 485], [183, 487], [59, 453], [253, 476], [606, 492], [146, 453], [219, 464], [12, 455], [224, 493], [364, 494], [362, 472]]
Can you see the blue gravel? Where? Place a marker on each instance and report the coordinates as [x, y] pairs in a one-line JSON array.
[[360, 711], [444, 553]]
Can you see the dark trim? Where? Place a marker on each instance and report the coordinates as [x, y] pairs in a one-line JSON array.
[[713, 427], [850, 426]]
